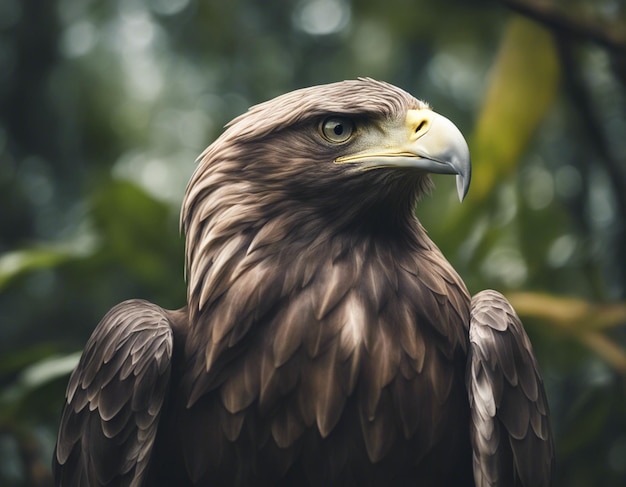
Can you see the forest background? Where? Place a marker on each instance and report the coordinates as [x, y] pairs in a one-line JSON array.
[[104, 106]]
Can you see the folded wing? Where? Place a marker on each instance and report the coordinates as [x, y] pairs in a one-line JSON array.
[[114, 399], [510, 427]]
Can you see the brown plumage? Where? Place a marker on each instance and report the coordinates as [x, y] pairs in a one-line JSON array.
[[326, 340]]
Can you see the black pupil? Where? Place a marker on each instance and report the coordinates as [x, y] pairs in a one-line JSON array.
[[338, 129]]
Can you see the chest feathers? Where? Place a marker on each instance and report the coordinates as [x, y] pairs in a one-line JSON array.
[[304, 336]]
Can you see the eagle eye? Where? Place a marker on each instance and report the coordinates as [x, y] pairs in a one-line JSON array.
[[337, 129]]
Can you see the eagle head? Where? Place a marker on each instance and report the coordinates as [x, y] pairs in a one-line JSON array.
[[351, 155]]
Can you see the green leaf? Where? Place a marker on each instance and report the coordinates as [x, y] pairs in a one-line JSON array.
[[140, 231], [524, 81], [522, 88], [33, 380], [15, 263]]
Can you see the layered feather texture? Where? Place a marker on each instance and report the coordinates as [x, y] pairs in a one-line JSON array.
[[114, 399], [339, 358], [511, 434], [326, 338], [324, 311]]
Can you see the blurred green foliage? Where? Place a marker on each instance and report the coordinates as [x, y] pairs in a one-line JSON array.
[[104, 107]]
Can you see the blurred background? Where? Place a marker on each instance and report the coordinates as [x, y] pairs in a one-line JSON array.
[[104, 106]]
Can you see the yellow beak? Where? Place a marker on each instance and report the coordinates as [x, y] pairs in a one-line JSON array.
[[425, 141]]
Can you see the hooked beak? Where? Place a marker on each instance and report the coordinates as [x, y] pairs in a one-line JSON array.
[[426, 141]]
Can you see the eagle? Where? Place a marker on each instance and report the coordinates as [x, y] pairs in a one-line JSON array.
[[326, 340]]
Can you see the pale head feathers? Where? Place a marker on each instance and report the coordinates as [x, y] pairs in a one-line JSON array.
[[304, 278], [269, 171], [350, 97]]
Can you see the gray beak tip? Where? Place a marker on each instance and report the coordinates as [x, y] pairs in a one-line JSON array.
[[462, 185]]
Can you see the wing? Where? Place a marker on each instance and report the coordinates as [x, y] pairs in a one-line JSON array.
[[114, 399], [510, 428]]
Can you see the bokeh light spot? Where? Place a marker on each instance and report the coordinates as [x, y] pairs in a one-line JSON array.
[[322, 17]]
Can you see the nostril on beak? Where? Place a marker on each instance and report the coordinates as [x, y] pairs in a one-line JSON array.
[[420, 126], [419, 122]]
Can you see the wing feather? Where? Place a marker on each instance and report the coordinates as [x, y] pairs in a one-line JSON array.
[[114, 399], [510, 427]]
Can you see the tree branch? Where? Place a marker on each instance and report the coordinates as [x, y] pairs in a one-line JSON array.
[[607, 35], [585, 321], [569, 313]]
